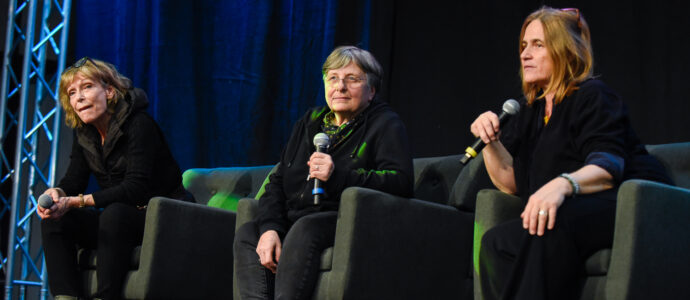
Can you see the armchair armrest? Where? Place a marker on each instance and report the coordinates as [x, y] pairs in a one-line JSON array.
[[649, 258], [186, 252], [388, 247], [493, 207], [247, 209]]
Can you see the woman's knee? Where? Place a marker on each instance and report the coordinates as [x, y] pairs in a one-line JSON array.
[[117, 212], [121, 220], [318, 228]]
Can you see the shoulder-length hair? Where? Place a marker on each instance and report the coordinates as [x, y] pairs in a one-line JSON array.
[[567, 39], [344, 55], [104, 73]]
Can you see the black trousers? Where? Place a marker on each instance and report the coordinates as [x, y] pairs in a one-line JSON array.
[[298, 267], [113, 232], [516, 265]]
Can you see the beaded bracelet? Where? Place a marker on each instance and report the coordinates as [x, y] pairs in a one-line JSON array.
[[573, 183]]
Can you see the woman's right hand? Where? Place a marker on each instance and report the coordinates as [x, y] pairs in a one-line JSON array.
[[486, 127], [269, 246], [55, 194]]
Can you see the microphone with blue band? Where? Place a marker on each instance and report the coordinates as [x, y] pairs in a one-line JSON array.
[[510, 108], [321, 142]]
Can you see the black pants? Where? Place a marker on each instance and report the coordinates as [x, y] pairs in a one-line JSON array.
[[298, 267], [516, 265], [113, 232]]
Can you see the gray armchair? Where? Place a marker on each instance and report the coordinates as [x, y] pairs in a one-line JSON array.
[[388, 247], [187, 247], [649, 257]]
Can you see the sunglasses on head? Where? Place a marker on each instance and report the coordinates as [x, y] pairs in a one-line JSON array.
[[576, 12], [80, 63]]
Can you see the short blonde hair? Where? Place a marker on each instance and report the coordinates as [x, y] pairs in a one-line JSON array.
[[96, 70], [344, 55], [567, 39]]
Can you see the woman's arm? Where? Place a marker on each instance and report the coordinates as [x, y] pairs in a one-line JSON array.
[[548, 198], [497, 159], [142, 144], [499, 165], [76, 178], [387, 152]]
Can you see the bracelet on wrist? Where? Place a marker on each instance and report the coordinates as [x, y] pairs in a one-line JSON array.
[[82, 203], [573, 183]]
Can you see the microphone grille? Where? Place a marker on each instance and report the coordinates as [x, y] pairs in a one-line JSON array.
[[511, 107], [321, 140], [45, 201]]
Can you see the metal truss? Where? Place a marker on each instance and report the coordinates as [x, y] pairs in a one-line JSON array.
[[34, 58]]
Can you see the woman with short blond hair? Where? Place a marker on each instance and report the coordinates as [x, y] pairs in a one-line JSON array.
[[122, 147]]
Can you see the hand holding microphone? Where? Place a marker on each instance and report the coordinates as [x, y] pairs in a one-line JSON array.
[[487, 126], [45, 201], [321, 142]]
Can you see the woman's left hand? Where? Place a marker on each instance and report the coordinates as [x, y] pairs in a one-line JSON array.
[[542, 206], [320, 166]]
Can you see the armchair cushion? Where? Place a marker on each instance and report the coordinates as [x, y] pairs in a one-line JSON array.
[[471, 180], [675, 159], [225, 186], [434, 176]]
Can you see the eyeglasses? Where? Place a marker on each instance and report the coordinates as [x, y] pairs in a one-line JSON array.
[[576, 12], [80, 63], [351, 81]]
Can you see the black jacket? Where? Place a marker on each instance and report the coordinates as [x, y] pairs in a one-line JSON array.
[[592, 119], [375, 155], [133, 164]]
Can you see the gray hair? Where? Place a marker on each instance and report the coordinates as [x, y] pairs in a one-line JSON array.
[[344, 55]]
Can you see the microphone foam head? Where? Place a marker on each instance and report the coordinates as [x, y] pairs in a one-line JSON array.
[[511, 107], [321, 140], [45, 201]]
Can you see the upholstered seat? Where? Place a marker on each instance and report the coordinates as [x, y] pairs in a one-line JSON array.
[[651, 224]]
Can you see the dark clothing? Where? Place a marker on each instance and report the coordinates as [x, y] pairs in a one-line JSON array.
[[516, 265], [133, 164], [115, 231], [298, 269], [375, 155], [373, 151], [592, 119]]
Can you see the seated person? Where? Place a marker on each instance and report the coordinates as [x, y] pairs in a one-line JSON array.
[[117, 142], [565, 154], [278, 254]]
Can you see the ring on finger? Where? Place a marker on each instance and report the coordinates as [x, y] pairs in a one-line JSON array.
[[543, 213], [316, 167]]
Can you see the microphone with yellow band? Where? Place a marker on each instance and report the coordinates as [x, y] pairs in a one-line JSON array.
[[510, 108]]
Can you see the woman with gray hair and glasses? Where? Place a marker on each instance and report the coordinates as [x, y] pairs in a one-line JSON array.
[[277, 255]]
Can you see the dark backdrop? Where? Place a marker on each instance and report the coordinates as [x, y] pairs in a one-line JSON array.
[[227, 79]]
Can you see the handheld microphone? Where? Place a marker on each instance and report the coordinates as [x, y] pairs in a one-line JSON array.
[[321, 142], [510, 108], [45, 201]]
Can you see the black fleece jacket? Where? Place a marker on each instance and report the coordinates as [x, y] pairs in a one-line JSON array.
[[375, 155], [133, 164]]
